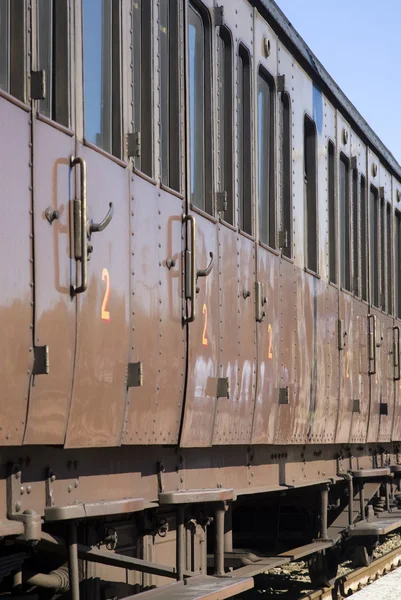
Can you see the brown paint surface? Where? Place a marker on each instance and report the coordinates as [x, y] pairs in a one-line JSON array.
[[55, 309]]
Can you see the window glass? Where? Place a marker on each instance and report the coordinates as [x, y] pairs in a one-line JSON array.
[[364, 239], [196, 52], [374, 247], [344, 214], [225, 120], [310, 193], [389, 269], [286, 171], [97, 39], [244, 141], [53, 55], [5, 45], [265, 173], [355, 227], [397, 263], [332, 214], [383, 263]]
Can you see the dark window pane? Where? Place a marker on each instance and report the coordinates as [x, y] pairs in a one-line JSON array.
[[397, 263], [364, 240], [383, 263], [344, 214], [389, 269], [5, 45], [374, 247], [224, 121], [244, 141], [136, 68], [355, 226], [310, 192], [164, 86], [332, 215], [264, 175], [286, 171], [196, 53], [45, 36]]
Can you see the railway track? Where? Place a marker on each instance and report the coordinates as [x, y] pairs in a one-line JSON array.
[[348, 584]]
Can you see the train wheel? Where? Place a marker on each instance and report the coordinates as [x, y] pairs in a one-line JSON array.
[[362, 556], [323, 568]]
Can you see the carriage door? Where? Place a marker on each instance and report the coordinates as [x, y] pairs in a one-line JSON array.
[[201, 254], [53, 145], [15, 225], [101, 235], [396, 246]]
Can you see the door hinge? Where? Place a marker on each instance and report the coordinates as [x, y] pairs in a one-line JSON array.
[[134, 144], [223, 387], [218, 15], [134, 375], [283, 396], [341, 334], [221, 201], [260, 301], [381, 192], [38, 85], [384, 408], [41, 360], [356, 405], [281, 83], [354, 162], [283, 239]]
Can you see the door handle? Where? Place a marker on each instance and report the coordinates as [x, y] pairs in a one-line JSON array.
[[80, 219], [206, 272], [96, 227], [190, 269], [396, 352], [372, 343]]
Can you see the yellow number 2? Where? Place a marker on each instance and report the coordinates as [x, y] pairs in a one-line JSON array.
[[204, 338], [105, 313], [270, 332]]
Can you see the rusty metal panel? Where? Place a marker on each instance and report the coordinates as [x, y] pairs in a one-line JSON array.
[[203, 343], [234, 414], [387, 371], [158, 335], [16, 287], [293, 414], [360, 373], [99, 389], [55, 310], [268, 349], [345, 337]]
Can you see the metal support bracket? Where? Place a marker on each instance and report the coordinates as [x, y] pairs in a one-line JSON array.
[[38, 85], [281, 83], [218, 15], [41, 365], [134, 375], [283, 239], [17, 509], [221, 201], [134, 144]]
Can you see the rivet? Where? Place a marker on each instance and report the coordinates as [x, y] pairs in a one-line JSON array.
[[17, 506]]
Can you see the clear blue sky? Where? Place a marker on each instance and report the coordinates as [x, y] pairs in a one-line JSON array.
[[359, 44]]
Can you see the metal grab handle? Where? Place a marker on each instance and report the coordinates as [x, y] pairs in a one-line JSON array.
[[190, 269], [396, 351], [96, 227], [372, 344], [80, 218], [206, 272]]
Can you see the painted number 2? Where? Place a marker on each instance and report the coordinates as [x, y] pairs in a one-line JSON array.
[[204, 338], [270, 332], [106, 278]]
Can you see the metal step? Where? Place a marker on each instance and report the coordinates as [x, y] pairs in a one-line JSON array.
[[201, 587]]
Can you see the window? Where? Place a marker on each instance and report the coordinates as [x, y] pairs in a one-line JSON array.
[[389, 265], [244, 141], [344, 214], [170, 93], [364, 240], [332, 213], [310, 192], [355, 225], [267, 210], [199, 103], [225, 121], [374, 247], [101, 42], [53, 54], [12, 47], [383, 263], [286, 172], [397, 263], [142, 79]]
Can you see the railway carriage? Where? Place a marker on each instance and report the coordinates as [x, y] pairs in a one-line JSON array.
[[200, 303]]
